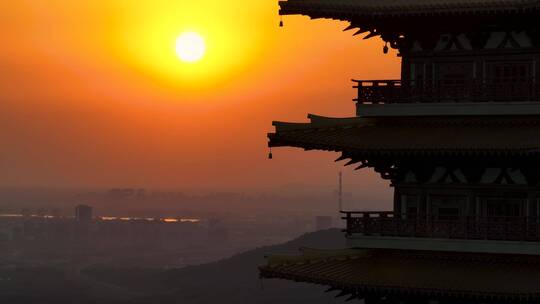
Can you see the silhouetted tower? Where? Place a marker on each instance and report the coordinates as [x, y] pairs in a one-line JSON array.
[[456, 137], [83, 213]]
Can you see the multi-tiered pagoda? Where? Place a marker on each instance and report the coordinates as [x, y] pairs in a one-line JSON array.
[[458, 137]]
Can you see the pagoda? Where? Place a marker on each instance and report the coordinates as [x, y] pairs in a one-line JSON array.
[[458, 139]]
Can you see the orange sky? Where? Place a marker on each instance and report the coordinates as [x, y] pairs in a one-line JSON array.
[[93, 95]]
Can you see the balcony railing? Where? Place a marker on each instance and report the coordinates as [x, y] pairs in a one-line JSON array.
[[420, 226], [394, 91]]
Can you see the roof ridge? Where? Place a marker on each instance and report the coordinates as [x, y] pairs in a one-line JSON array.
[[375, 7]]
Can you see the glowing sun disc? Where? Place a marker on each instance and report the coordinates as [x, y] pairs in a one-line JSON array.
[[190, 47]]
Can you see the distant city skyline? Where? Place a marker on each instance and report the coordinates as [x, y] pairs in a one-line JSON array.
[[164, 203]]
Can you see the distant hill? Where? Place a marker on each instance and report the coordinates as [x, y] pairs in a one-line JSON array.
[[233, 280]]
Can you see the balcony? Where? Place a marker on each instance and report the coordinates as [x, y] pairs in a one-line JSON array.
[[447, 91], [392, 224]]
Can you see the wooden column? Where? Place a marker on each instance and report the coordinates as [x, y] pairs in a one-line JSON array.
[[537, 209], [403, 209], [470, 198], [478, 211], [427, 200]]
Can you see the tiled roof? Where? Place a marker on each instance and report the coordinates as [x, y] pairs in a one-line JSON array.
[[344, 8], [479, 276], [516, 135]]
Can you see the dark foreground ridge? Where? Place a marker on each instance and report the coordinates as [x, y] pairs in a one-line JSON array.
[[232, 280], [235, 280]]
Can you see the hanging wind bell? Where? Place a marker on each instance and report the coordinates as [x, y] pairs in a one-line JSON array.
[[270, 156], [385, 48], [280, 21]]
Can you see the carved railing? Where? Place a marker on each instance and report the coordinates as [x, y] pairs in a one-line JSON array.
[[422, 226], [379, 91], [394, 91]]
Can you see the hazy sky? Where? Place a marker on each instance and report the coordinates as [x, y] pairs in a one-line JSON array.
[[92, 93]]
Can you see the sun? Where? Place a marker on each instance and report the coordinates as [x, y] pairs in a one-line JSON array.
[[190, 47]]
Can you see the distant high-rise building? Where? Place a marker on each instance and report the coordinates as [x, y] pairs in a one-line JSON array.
[[83, 213]]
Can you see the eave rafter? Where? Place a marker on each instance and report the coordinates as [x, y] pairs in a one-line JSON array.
[[353, 160], [392, 38], [384, 168]]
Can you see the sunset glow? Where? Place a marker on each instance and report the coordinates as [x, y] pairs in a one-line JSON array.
[[84, 82], [190, 47]]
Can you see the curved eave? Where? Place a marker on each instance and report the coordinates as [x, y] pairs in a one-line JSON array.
[[363, 152], [485, 277], [421, 136]]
